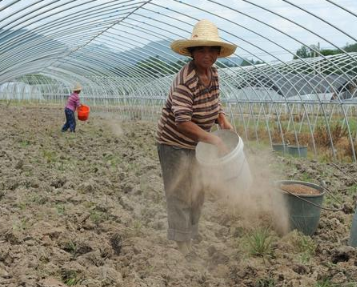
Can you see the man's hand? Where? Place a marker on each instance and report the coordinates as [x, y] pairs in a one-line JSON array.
[[222, 148], [224, 124]]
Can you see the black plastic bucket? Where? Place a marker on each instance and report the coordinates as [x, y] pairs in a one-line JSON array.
[[297, 151], [280, 148], [303, 210]]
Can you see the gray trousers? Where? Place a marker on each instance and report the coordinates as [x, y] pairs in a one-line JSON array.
[[183, 190]]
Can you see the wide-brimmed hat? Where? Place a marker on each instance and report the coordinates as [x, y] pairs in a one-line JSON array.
[[204, 33], [77, 87]]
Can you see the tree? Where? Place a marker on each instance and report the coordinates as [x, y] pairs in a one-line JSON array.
[[306, 52], [329, 52], [351, 48], [303, 52]]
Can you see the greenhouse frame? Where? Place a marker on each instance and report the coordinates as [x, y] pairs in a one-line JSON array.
[[292, 80]]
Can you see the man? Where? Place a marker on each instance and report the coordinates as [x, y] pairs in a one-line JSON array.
[[192, 108]]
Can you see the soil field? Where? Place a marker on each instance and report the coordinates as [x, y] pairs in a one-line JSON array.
[[88, 209]]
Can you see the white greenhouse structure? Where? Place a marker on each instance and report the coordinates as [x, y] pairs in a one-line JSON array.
[[288, 76]]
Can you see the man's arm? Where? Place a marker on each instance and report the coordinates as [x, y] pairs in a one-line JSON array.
[[197, 134], [223, 122]]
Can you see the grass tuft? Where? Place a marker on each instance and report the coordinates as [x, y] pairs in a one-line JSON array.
[[260, 243]]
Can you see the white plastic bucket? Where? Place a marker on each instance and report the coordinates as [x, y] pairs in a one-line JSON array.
[[232, 166]]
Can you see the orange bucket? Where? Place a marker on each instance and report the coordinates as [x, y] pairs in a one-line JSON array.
[[83, 112]]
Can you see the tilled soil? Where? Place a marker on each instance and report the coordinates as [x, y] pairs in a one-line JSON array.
[[88, 209]]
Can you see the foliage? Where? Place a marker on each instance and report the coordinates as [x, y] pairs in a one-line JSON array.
[[49, 155], [308, 52], [305, 176], [260, 242], [329, 52], [70, 277], [322, 137], [307, 246], [348, 150], [324, 283], [303, 245], [315, 51], [71, 247], [304, 52], [351, 47], [60, 208], [24, 143], [278, 134], [98, 216], [265, 282], [352, 190]]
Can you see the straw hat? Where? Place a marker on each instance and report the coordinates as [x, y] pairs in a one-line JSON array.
[[204, 33], [77, 87]]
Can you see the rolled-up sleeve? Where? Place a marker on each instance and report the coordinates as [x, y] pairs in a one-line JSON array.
[[220, 111], [182, 102]]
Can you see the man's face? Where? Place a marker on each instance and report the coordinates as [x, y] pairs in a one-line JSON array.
[[205, 57]]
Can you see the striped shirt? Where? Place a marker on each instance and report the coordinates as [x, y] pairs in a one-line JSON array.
[[189, 100], [73, 102]]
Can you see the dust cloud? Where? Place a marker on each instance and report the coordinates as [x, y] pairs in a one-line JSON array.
[[112, 123], [246, 189]]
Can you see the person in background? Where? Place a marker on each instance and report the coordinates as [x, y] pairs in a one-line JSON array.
[[192, 108], [72, 104]]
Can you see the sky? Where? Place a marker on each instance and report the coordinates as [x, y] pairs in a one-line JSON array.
[[244, 21], [268, 30]]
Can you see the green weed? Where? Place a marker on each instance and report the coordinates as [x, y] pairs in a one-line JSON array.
[[324, 283], [88, 204], [70, 277], [260, 242], [304, 245], [304, 258], [24, 143], [306, 177], [38, 199], [21, 205], [20, 225], [71, 247], [135, 229], [97, 216], [60, 208], [50, 156], [307, 245], [113, 160], [265, 282], [137, 226], [352, 190]]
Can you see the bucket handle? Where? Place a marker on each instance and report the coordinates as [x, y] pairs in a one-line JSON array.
[[314, 204]]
